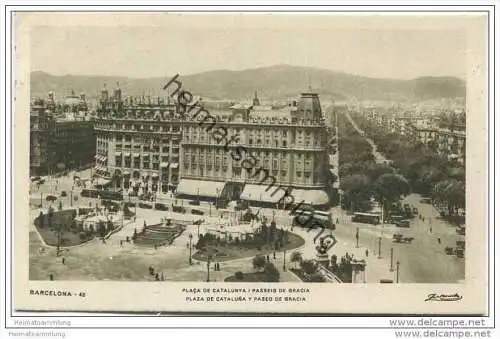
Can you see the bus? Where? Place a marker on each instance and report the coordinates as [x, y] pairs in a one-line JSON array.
[[313, 219], [367, 218], [105, 195]]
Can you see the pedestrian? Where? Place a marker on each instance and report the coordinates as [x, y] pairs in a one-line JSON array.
[[267, 257], [63, 261], [157, 277], [51, 277], [274, 255], [156, 247], [430, 229], [439, 240], [121, 243], [366, 253], [337, 221]]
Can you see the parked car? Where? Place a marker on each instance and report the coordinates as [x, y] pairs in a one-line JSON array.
[[161, 207], [402, 223], [178, 209], [197, 212], [194, 202]]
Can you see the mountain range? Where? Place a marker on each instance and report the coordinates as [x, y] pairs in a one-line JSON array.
[[272, 83]]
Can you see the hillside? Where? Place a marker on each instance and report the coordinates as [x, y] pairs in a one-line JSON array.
[[275, 82]]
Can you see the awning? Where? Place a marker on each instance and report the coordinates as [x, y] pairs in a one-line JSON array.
[[126, 154], [174, 165], [137, 155], [118, 154], [211, 189], [259, 193], [164, 165], [313, 197], [102, 182]]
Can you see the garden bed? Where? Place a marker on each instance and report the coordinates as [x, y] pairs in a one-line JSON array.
[[69, 234], [237, 251]]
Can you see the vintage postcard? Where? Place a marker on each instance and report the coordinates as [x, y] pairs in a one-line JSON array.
[[298, 163]]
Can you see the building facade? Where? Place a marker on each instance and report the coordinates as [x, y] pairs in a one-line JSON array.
[[149, 147], [61, 134]]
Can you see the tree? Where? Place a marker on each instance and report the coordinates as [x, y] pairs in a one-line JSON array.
[[239, 275], [101, 228], [271, 273], [50, 214], [333, 260], [356, 189], [390, 187], [258, 262], [308, 266], [296, 257], [317, 277], [40, 220]]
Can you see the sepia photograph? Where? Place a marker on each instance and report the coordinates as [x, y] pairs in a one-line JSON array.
[[272, 152]]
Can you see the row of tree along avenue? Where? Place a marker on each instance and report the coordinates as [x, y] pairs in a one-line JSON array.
[[361, 178], [430, 173]]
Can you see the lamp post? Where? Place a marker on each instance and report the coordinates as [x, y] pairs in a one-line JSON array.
[[190, 259], [71, 198], [284, 260], [198, 231], [217, 198], [397, 271], [208, 267], [357, 237], [41, 199], [380, 247], [392, 260], [198, 195]]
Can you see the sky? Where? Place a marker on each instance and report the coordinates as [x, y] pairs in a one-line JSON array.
[[160, 45]]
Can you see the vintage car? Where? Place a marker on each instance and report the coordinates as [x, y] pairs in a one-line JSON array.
[[403, 223]]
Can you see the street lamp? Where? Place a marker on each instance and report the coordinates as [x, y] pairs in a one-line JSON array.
[[190, 259], [357, 237], [379, 247], [284, 260], [392, 260], [397, 271], [208, 267]]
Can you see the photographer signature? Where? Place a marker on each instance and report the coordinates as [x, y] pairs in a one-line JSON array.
[[443, 297]]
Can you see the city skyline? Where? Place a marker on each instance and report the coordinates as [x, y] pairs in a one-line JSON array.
[[170, 44]]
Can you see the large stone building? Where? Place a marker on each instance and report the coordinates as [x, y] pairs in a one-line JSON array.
[[146, 146], [61, 134]]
